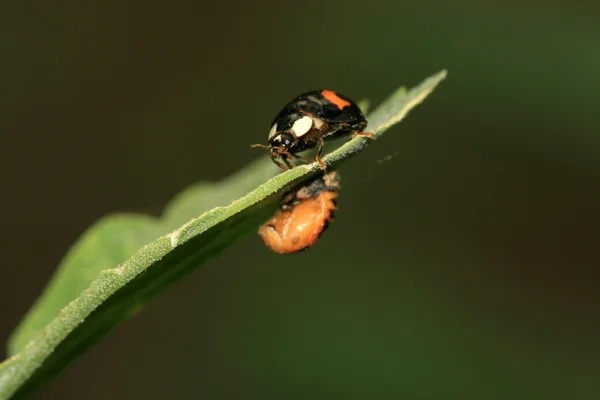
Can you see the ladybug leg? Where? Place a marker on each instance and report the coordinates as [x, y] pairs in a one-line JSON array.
[[287, 159], [318, 157], [320, 145], [289, 163], [306, 160], [290, 156], [280, 165], [364, 134]]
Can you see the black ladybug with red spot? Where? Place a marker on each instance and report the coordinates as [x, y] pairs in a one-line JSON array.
[[308, 121]]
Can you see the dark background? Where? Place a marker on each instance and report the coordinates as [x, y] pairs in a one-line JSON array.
[[463, 262]]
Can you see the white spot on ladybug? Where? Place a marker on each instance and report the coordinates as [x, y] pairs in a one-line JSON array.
[[318, 123], [273, 131], [277, 138], [302, 126]]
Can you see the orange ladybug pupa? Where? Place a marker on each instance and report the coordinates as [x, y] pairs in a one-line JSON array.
[[303, 216]]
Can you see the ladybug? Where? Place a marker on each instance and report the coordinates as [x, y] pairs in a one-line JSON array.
[[303, 216], [308, 121]]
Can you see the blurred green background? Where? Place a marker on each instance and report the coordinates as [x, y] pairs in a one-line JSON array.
[[463, 262]]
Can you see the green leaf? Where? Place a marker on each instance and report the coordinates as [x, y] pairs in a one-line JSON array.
[[123, 261]]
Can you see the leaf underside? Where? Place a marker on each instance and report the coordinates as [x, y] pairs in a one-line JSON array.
[[123, 261]]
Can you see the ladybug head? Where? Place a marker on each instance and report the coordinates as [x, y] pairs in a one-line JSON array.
[[280, 144]]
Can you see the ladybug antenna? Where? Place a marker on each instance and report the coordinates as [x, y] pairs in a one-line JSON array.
[[264, 146]]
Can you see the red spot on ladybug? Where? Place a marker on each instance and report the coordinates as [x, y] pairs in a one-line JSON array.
[[331, 96], [302, 217]]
